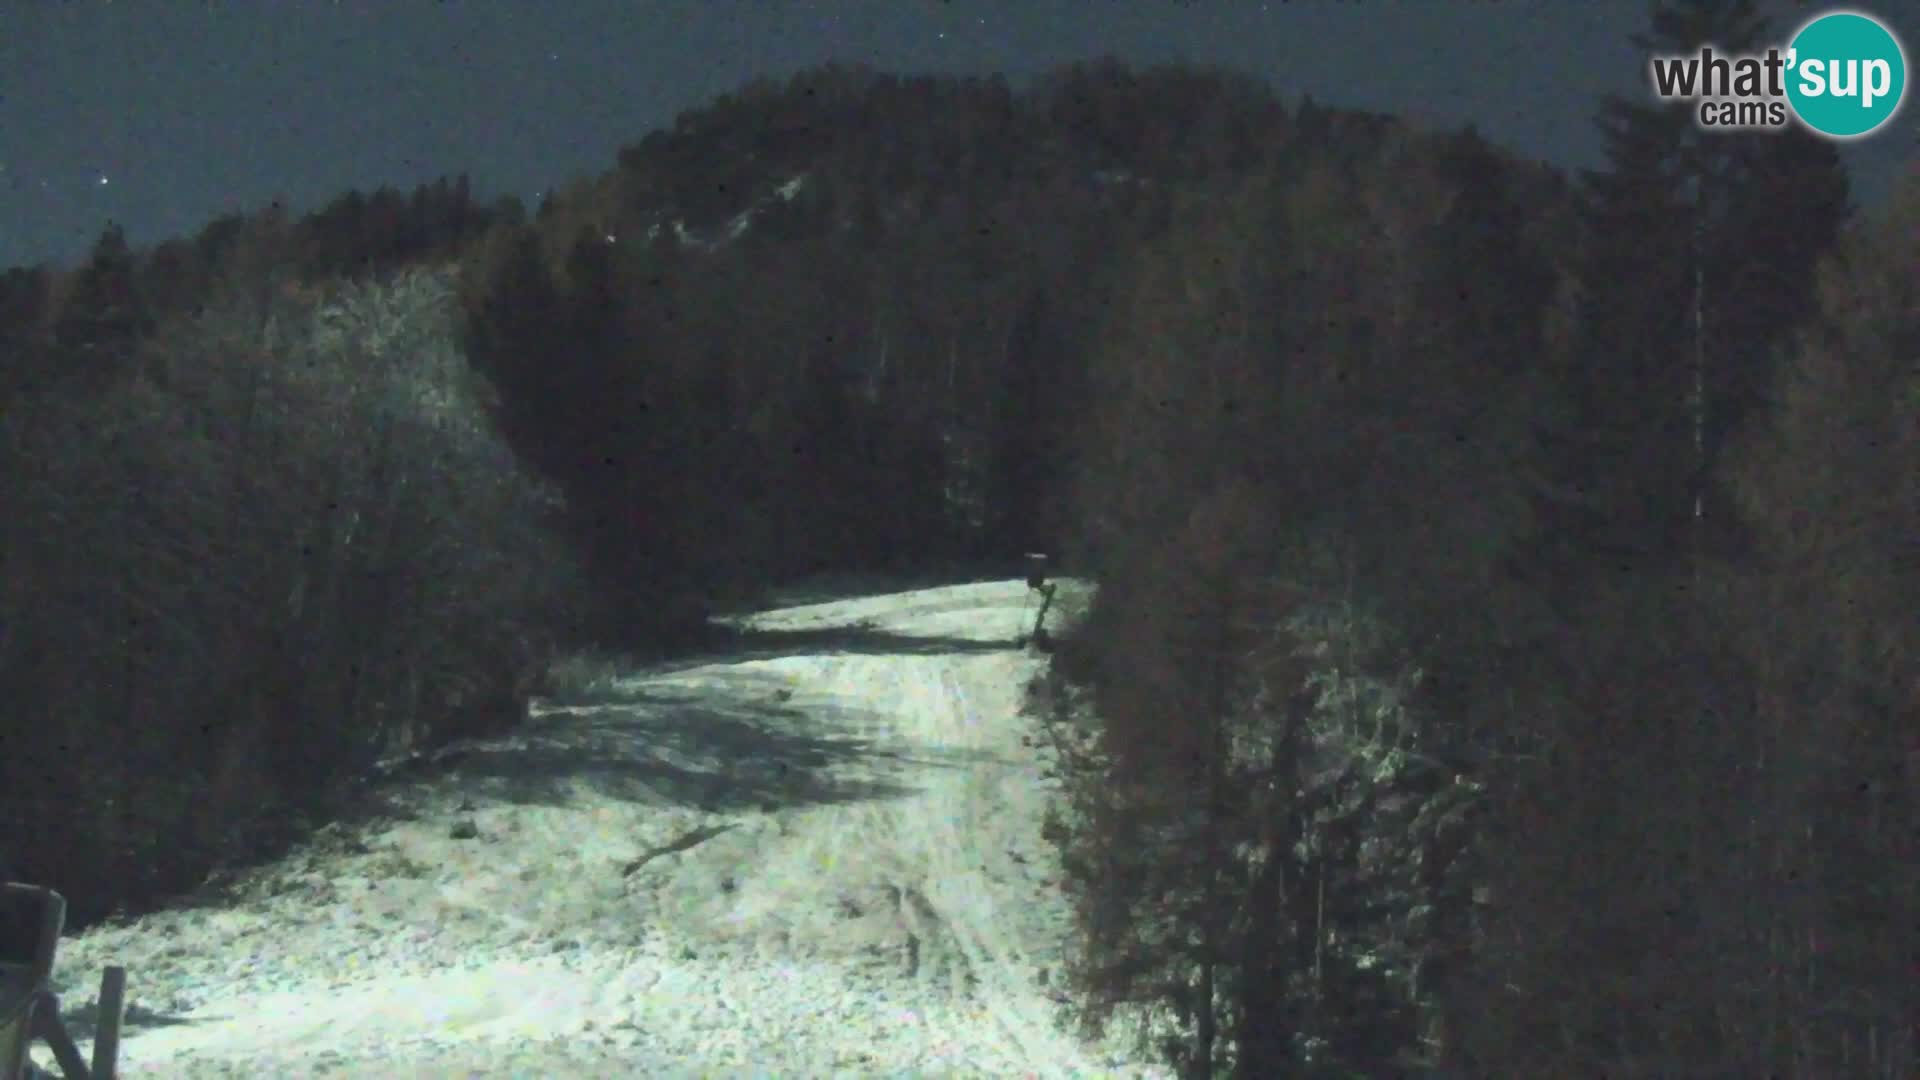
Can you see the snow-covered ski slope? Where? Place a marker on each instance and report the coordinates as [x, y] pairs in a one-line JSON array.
[[819, 859]]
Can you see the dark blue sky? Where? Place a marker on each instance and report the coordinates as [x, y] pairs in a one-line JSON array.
[[161, 114]]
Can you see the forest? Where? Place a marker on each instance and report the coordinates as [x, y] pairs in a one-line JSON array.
[[1503, 658]]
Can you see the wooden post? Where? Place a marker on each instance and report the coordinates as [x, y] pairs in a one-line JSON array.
[[1036, 570], [16, 1032], [32, 1011], [47, 1027], [31, 918], [1037, 581], [106, 1031]]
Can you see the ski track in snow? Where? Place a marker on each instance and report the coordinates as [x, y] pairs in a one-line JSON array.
[[824, 861]]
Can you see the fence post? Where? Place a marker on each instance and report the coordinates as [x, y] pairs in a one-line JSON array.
[[106, 1031]]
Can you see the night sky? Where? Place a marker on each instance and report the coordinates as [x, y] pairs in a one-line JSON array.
[[162, 114]]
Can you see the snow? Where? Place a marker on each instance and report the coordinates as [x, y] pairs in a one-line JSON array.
[[818, 860], [711, 240]]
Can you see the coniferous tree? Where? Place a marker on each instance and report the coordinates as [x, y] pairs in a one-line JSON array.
[[1687, 297], [1781, 215], [512, 316], [1828, 637], [1672, 346], [105, 313]]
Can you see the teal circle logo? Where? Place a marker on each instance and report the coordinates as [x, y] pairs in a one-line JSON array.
[[1846, 74]]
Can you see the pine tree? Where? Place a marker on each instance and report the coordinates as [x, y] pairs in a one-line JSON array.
[[1689, 287], [105, 315], [1646, 715], [1829, 637]]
